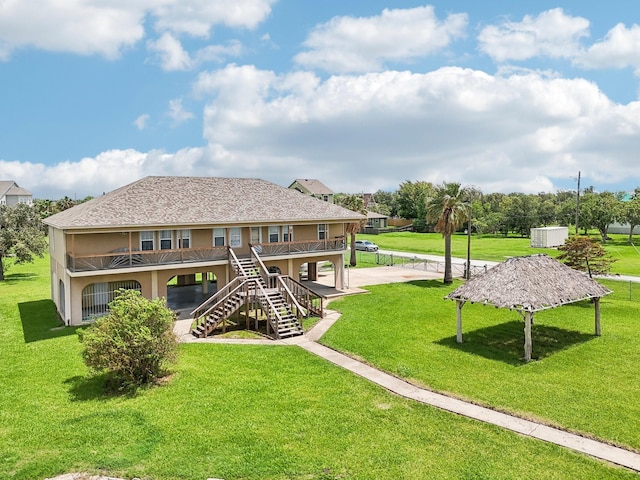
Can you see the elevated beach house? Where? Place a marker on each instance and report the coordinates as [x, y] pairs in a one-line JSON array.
[[188, 231]]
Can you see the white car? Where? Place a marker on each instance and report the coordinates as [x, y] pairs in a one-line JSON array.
[[366, 245]]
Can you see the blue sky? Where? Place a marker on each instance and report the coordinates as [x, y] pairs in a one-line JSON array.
[[363, 95]]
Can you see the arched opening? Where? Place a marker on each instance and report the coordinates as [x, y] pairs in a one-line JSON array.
[[97, 296]]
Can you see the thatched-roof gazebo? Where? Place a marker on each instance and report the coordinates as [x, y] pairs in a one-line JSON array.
[[528, 285]]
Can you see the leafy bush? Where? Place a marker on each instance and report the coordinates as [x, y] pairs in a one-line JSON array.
[[586, 255], [133, 343]]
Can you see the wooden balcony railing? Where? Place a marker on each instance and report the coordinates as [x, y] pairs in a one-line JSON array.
[[289, 248], [125, 259]]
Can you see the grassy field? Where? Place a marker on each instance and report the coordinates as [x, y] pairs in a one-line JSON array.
[[580, 382], [498, 248], [246, 412]]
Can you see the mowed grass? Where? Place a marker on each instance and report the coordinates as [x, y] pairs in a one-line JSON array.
[[580, 382], [497, 248], [236, 412]]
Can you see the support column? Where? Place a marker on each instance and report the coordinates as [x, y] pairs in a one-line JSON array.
[[205, 282], [154, 284], [527, 335], [596, 302], [339, 274], [312, 271], [459, 305]]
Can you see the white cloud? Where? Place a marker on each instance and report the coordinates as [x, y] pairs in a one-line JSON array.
[[197, 17], [348, 44], [107, 28], [78, 27], [177, 113], [552, 34], [141, 121], [172, 55], [619, 49], [512, 132]]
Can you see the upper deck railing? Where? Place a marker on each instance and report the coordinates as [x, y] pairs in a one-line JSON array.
[[122, 258]]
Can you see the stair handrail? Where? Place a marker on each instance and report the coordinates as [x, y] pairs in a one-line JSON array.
[[263, 267], [234, 261], [272, 308], [222, 293], [310, 293], [222, 300], [292, 298]]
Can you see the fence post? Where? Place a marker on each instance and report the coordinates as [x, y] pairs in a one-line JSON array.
[[392, 259]]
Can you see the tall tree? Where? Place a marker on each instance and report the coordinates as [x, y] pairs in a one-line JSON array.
[[632, 213], [599, 210], [412, 199], [21, 235], [355, 204], [448, 208]]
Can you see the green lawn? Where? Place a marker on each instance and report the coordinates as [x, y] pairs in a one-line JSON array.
[[580, 382], [243, 412], [498, 248]]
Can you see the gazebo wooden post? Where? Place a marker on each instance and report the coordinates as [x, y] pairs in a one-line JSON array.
[[527, 335], [596, 302], [459, 305]]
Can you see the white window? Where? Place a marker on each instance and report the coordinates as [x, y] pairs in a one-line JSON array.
[[146, 241], [322, 231], [235, 237], [256, 235], [184, 241], [166, 239], [218, 237], [274, 234], [287, 233]]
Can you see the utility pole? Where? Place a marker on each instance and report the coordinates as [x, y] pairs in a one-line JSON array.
[[578, 203]]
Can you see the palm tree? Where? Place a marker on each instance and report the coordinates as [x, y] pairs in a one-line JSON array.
[[448, 208], [355, 204]]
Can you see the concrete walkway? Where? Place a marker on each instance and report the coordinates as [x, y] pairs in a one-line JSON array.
[[371, 276]]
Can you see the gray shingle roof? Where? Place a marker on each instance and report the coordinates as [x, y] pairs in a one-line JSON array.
[[532, 283], [9, 187], [187, 201], [314, 186]]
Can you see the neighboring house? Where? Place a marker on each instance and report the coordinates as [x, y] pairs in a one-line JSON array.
[[146, 233], [12, 194], [377, 220], [315, 188]]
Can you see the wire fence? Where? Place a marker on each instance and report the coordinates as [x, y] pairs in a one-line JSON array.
[[428, 265]]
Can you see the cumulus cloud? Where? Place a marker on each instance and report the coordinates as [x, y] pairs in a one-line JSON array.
[[107, 28], [177, 113], [619, 49], [348, 44], [451, 124], [197, 17], [78, 27], [141, 121], [172, 55], [552, 34]]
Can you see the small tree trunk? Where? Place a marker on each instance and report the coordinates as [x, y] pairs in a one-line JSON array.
[[352, 260], [448, 276], [1, 268], [631, 227]]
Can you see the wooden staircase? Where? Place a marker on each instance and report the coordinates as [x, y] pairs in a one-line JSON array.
[[249, 287]]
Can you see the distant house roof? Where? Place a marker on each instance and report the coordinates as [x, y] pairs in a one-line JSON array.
[[371, 214], [9, 187], [313, 186], [530, 283], [187, 201]]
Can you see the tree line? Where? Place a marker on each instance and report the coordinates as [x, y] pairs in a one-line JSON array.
[[516, 213]]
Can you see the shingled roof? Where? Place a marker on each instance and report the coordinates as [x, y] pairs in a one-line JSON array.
[[189, 201], [530, 283]]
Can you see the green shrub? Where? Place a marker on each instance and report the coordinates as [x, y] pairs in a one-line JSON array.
[[133, 343]]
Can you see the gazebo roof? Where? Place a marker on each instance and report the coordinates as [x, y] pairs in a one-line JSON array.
[[531, 283]]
